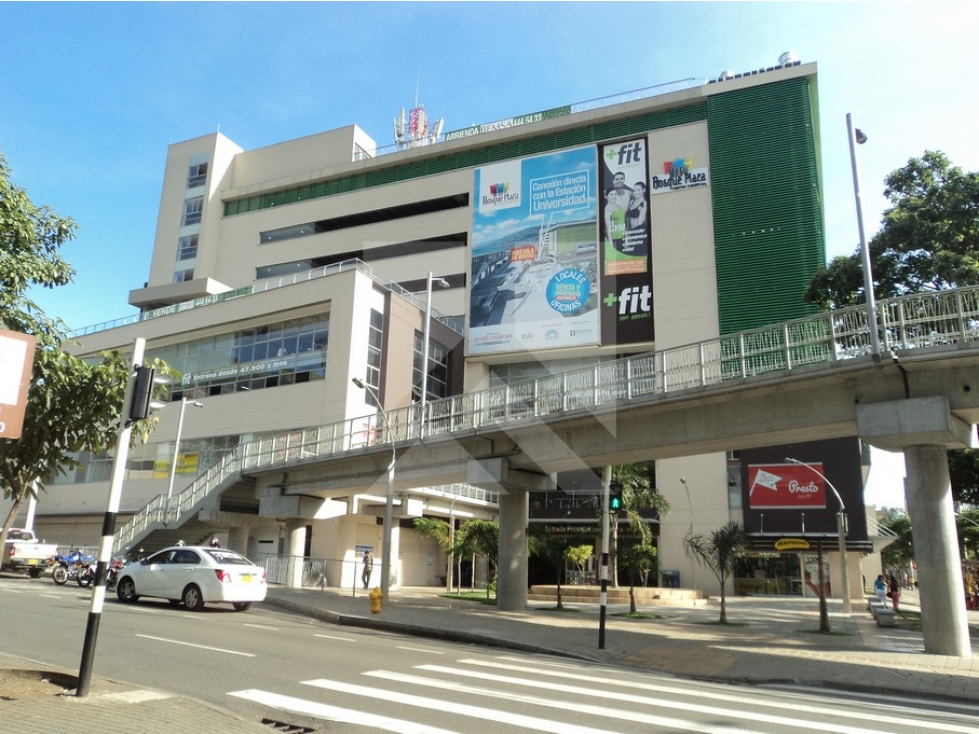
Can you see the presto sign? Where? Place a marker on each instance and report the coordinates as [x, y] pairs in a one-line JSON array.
[[786, 487]]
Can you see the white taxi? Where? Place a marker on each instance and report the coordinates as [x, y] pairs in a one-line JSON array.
[[194, 576]]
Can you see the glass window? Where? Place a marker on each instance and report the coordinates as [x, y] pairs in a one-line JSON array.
[[193, 208], [436, 386], [187, 247], [182, 276], [197, 175]]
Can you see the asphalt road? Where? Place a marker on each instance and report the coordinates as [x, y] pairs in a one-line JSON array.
[[264, 663]]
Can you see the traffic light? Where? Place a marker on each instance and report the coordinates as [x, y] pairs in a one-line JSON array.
[[143, 404], [614, 497]]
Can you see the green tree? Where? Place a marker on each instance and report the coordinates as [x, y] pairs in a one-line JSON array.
[[72, 404], [552, 549], [719, 551], [579, 555], [441, 532], [640, 561], [638, 497], [967, 522], [479, 538], [900, 553], [928, 241]]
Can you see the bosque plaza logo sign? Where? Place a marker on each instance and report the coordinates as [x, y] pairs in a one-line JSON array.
[[679, 174]]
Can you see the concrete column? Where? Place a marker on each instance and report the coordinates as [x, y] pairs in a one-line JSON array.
[[394, 580], [511, 584], [296, 542], [943, 618], [238, 539]]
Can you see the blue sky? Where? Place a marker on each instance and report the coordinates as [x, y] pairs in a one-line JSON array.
[[91, 94]]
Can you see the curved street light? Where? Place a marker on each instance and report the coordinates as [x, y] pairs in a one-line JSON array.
[[840, 530], [426, 337], [389, 497], [184, 402]]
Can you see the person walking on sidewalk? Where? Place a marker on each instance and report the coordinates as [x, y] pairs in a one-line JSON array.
[[365, 575], [880, 588], [893, 591]]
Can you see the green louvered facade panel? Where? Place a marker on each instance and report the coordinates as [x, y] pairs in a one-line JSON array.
[[765, 183], [471, 158]]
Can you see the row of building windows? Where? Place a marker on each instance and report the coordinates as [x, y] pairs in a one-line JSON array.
[[437, 384], [280, 353]]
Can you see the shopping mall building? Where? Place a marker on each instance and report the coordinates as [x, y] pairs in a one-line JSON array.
[[547, 242]]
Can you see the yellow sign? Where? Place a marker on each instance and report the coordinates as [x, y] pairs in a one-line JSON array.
[[791, 544]]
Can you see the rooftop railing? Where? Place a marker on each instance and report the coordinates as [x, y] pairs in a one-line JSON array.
[[920, 321], [453, 322]]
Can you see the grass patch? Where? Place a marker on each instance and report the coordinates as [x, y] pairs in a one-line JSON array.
[[557, 609], [719, 623], [638, 615], [830, 633], [477, 596]]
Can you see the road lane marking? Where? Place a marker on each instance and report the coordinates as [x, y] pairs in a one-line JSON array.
[[201, 647], [333, 713], [332, 637], [261, 627], [421, 649]]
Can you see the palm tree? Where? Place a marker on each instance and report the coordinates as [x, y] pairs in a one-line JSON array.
[[479, 537], [637, 496], [552, 549], [639, 560], [441, 532], [719, 551]]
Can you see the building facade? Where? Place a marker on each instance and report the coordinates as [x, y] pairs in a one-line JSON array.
[[563, 238]]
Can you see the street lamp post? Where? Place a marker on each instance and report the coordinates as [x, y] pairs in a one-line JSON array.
[[426, 331], [389, 497], [176, 447], [693, 573], [857, 137], [841, 533]]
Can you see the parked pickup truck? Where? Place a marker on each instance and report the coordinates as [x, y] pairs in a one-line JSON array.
[[25, 553]]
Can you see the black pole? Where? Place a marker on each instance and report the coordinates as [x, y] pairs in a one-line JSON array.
[[601, 613], [823, 613], [98, 601]]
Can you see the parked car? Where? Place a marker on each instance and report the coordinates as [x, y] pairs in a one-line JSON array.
[[194, 576], [25, 552]]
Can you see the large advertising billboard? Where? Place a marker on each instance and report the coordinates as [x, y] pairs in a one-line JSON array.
[[786, 487], [534, 282], [626, 277]]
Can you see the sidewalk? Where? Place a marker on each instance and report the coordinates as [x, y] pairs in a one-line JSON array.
[[767, 640]]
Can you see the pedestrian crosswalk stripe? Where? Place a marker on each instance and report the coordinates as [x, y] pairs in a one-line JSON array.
[[454, 707], [717, 696], [334, 713], [563, 704]]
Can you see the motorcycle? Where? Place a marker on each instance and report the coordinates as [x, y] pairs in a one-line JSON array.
[[86, 577], [70, 567]]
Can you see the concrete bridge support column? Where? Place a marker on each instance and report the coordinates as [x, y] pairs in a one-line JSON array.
[[238, 539], [511, 584], [513, 486], [924, 428], [936, 551], [295, 547]]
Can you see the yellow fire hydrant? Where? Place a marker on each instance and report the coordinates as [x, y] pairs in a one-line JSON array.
[[375, 596]]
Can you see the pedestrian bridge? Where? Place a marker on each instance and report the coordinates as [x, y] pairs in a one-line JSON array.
[[916, 385]]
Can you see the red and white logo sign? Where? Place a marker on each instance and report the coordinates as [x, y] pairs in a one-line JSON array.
[[786, 487]]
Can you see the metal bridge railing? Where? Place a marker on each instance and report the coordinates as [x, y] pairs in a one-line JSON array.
[[912, 322]]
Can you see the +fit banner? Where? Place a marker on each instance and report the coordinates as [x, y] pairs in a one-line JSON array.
[[534, 270], [626, 280], [786, 487]]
